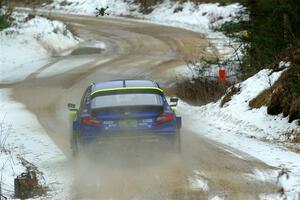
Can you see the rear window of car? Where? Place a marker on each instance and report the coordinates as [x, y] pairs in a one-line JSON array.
[[120, 100]]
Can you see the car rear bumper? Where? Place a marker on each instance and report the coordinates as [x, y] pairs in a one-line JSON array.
[[129, 146], [132, 143], [130, 137]]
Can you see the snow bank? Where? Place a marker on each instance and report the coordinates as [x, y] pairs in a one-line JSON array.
[[236, 115], [88, 7], [26, 47], [239, 126], [201, 18], [22, 135]]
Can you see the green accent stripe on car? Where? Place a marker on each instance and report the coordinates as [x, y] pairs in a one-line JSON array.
[[72, 116], [126, 88]]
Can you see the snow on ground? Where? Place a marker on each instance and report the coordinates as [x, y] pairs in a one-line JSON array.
[[26, 47], [63, 66], [201, 18], [94, 44], [216, 198], [236, 115], [22, 135], [240, 127], [263, 175], [88, 7], [198, 182]]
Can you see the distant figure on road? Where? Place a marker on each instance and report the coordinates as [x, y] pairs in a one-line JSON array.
[[101, 11]]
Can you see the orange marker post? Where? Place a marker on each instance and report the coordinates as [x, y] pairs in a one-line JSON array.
[[222, 74]]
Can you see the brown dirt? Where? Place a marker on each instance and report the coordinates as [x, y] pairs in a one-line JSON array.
[[262, 99], [296, 137]]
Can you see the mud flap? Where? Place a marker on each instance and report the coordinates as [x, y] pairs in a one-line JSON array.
[[178, 122], [73, 138]]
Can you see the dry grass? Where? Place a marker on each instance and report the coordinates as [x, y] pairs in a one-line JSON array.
[[265, 97], [201, 91], [296, 137], [294, 112], [233, 90]]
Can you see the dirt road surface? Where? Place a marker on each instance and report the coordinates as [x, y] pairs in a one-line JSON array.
[[136, 49]]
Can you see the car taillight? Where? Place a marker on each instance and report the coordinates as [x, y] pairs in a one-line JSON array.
[[91, 121], [165, 117]]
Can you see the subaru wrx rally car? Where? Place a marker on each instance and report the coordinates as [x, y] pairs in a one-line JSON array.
[[124, 109]]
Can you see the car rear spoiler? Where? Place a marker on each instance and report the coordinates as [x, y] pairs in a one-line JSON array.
[[127, 90]]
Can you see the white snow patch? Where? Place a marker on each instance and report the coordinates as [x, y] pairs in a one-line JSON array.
[[63, 66], [121, 8], [263, 175], [184, 71], [27, 139], [284, 64], [26, 47], [217, 198], [88, 7], [95, 44], [279, 197], [197, 182], [269, 197], [202, 18]]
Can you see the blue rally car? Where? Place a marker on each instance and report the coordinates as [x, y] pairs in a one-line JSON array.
[[124, 109]]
